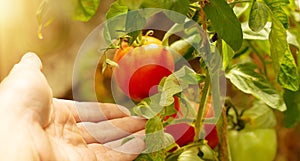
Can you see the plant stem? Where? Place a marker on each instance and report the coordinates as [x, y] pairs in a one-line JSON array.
[[224, 149], [202, 108]]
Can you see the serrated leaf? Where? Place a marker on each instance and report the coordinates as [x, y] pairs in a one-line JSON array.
[[149, 107], [176, 83], [292, 114], [225, 22], [156, 139], [288, 74], [85, 9], [258, 16], [155, 134], [259, 116], [244, 77], [278, 41]]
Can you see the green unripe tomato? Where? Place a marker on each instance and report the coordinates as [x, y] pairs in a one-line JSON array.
[[253, 144]]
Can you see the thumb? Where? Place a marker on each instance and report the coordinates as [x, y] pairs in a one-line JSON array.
[[25, 91], [30, 60]]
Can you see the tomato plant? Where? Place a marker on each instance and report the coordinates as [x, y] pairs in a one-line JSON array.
[[256, 51]]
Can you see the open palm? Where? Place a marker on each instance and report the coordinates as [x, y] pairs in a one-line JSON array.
[[38, 127]]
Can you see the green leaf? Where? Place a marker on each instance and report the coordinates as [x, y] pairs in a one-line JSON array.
[[154, 4], [278, 41], [176, 10], [144, 157], [225, 22], [292, 114], [155, 134], [135, 22], [288, 74], [131, 4], [115, 22], [292, 39], [228, 54], [156, 140], [258, 16], [116, 9], [260, 35], [176, 83], [149, 107], [85, 9], [277, 11], [244, 77], [259, 116]]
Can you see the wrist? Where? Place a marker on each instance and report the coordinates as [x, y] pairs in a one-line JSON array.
[[16, 140]]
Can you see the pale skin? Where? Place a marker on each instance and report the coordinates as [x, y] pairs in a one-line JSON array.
[[37, 127]]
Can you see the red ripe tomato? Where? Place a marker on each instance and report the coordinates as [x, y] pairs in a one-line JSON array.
[[211, 135], [183, 133], [140, 69]]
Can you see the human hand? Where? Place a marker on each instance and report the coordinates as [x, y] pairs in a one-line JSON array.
[[34, 126]]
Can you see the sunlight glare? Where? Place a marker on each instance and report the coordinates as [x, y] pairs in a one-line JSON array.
[[9, 10]]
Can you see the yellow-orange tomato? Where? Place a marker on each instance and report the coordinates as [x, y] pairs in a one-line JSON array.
[[125, 48]]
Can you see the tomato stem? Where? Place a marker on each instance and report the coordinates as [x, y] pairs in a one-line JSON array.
[[224, 148], [202, 108]]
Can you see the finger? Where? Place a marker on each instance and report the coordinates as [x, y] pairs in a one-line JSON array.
[[126, 152], [94, 112], [117, 143], [29, 60], [110, 130], [25, 91]]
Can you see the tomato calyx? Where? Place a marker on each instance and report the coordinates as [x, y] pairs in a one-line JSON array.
[[234, 116]]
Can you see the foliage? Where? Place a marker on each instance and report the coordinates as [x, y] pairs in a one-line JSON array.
[[254, 39]]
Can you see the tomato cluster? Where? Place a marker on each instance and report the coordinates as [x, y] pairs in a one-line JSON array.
[[184, 133], [140, 70]]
